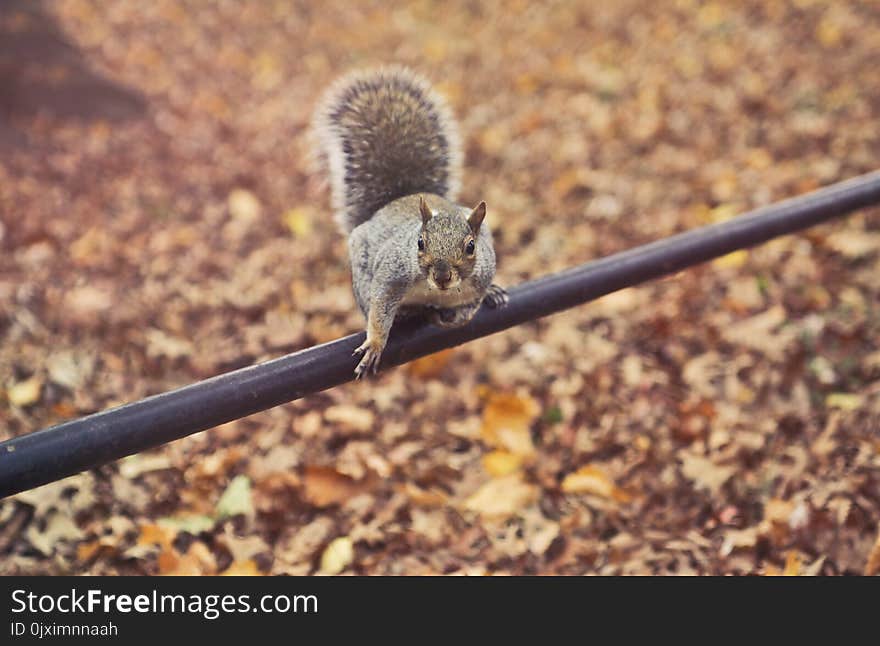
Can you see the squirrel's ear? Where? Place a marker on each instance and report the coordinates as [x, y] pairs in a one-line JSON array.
[[475, 219], [424, 210]]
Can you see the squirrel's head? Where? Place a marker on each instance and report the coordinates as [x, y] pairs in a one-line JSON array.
[[448, 245]]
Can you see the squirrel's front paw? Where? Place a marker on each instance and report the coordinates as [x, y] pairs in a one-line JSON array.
[[371, 352], [496, 296]]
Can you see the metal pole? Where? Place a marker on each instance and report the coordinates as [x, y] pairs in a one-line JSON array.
[[54, 453]]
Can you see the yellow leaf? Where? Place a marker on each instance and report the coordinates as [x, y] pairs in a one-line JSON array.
[[337, 556], [501, 463], [298, 220], [25, 393], [592, 480], [843, 401], [723, 212], [732, 260]]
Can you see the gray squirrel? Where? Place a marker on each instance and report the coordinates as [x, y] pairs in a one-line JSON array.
[[392, 151]]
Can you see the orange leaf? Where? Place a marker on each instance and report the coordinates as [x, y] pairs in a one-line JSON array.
[[792, 564], [152, 534], [430, 366], [507, 421]]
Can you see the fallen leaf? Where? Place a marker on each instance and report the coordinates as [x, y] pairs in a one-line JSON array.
[[732, 260], [872, 567], [843, 401], [501, 463], [323, 486], [430, 366], [157, 534], [502, 496], [737, 539], [507, 421], [337, 556], [59, 529], [244, 205], [242, 548], [299, 220], [236, 499], [25, 393], [198, 560], [593, 480], [134, 465], [242, 568], [792, 564], [350, 417], [705, 473], [191, 524]]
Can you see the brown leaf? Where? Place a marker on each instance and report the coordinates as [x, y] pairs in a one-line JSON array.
[[324, 486]]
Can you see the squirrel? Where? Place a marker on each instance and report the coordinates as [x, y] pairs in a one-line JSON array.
[[391, 148]]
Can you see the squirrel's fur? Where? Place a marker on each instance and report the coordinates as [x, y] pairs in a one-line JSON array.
[[384, 134], [392, 151]]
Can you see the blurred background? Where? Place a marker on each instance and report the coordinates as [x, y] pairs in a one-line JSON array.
[[160, 224]]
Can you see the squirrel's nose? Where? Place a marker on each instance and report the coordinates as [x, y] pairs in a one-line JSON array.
[[442, 273]]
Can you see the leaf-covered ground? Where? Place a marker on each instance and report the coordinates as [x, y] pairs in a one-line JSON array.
[[161, 224]]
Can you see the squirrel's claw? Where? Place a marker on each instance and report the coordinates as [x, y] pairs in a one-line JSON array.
[[370, 360], [496, 296]]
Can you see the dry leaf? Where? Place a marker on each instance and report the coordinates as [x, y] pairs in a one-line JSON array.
[[593, 480], [502, 496], [843, 401], [299, 220], [501, 463], [244, 205], [134, 465], [507, 421], [872, 567], [237, 499], [242, 568], [323, 486], [431, 366], [198, 560], [763, 332], [705, 473], [350, 417], [25, 393], [337, 556]]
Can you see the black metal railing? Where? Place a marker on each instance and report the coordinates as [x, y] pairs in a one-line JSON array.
[[54, 453]]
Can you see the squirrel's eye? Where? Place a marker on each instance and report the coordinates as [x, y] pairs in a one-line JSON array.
[[421, 244], [470, 247]]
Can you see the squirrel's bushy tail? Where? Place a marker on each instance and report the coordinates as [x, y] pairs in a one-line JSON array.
[[384, 134]]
